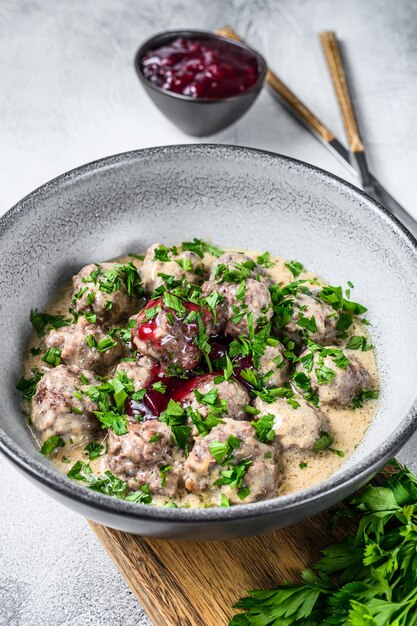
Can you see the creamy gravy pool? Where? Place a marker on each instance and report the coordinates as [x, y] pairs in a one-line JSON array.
[[298, 469]]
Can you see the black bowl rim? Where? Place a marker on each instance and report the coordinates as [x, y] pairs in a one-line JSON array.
[[187, 32], [344, 481]]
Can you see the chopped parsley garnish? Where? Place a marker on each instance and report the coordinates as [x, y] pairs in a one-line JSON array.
[[234, 477], [323, 441], [265, 260], [113, 420], [52, 444], [224, 501], [28, 385], [264, 428], [45, 321], [295, 268], [108, 484], [101, 346], [163, 470], [223, 451], [176, 418], [142, 496], [52, 356], [362, 396], [155, 438], [173, 302], [303, 465], [324, 374], [95, 449], [200, 247], [159, 386], [357, 342]]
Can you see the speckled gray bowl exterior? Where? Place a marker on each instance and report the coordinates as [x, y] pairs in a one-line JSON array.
[[199, 117], [237, 197]]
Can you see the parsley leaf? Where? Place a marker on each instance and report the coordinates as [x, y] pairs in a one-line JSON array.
[[52, 356], [142, 496], [264, 428], [51, 444], [295, 268], [200, 247], [45, 321], [28, 385], [369, 577]]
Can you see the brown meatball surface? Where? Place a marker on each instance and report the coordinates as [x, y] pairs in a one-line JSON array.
[[261, 477], [325, 319], [336, 386], [233, 310], [273, 362], [294, 427], [101, 289], [232, 260], [80, 345], [56, 410], [141, 371], [231, 391], [137, 460], [168, 336], [185, 265]]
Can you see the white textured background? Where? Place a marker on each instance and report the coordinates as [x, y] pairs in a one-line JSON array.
[[69, 94]]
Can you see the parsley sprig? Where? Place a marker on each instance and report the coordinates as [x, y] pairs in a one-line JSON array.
[[370, 577]]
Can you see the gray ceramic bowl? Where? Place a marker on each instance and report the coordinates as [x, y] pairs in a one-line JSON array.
[[238, 197], [200, 117]]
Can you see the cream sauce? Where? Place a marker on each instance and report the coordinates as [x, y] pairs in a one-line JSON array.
[[299, 469]]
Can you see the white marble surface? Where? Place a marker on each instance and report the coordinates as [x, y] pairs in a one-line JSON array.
[[68, 95]]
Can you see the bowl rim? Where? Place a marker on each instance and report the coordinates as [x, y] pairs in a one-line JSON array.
[[187, 32], [341, 481]]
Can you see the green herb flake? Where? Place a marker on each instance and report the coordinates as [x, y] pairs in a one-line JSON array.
[[45, 321], [52, 444], [28, 385], [142, 496], [323, 441], [295, 268], [52, 356], [159, 386], [264, 428], [95, 449]]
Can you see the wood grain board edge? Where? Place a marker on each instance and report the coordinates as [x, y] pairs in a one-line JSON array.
[[184, 583]]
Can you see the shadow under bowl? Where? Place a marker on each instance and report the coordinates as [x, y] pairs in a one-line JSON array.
[[199, 116]]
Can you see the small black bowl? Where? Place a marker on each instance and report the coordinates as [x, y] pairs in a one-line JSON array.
[[199, 116]]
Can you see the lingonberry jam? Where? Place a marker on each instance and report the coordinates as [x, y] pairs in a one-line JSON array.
[[203, 68]]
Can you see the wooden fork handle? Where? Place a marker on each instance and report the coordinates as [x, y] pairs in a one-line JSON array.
[[288, 96], [337, 73]]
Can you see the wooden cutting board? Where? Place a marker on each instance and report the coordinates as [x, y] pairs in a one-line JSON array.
[[183, 583]]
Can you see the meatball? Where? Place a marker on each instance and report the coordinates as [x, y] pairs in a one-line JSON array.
[[103, 290], [142, 371], [232, 261], [185, 265], [143, 455], [294, 427], [167, 335], [238, 303], [57, 411], [320, 314], [202, 470], [231, 391], [273, 362], [336, 386], [80, 345]]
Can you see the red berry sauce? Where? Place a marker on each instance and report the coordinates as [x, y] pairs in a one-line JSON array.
[[204, 68]]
